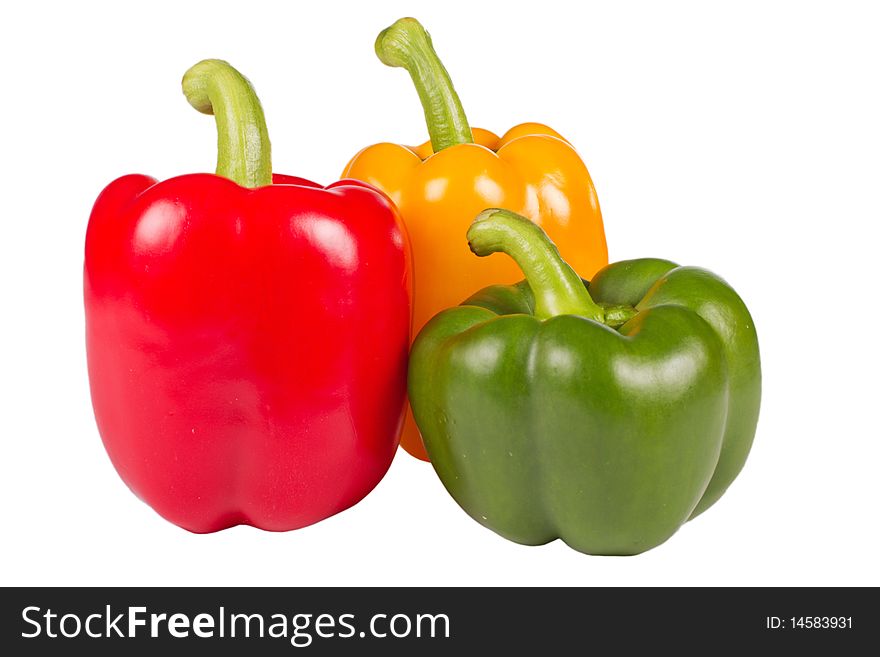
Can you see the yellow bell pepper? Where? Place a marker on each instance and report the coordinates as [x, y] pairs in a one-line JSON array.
[[443, 184]]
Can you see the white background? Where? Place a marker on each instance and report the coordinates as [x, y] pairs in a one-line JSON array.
[[744, 138]]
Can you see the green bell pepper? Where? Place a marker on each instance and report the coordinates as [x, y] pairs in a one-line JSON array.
[[606, 414]]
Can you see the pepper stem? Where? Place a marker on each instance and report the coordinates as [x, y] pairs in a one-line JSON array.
[[407, 45], [557, 288], [244, 154]]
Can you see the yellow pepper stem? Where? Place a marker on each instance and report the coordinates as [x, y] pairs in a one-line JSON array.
[[407, 45]]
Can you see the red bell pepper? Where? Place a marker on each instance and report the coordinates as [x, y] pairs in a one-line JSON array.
[[247, 341]]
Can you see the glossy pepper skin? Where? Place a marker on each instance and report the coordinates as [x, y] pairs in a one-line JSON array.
[[247, 341], [605, 414], [441, 185]]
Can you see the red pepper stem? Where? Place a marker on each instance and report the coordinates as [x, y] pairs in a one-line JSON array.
[[244, 154], [407, 45], [557, 288]]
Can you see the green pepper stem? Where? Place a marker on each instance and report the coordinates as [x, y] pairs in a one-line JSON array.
[[407, 45], [244, 154], [557, 288], [617, 315]]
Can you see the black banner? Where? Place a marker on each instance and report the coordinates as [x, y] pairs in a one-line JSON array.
[[279, 621]]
